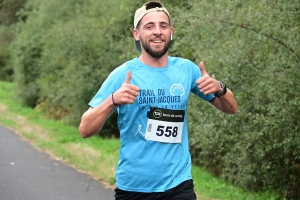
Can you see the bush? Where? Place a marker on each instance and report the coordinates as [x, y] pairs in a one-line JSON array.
[[5, 71], [8, 9], [28, 46], [72, 48], [258, 58]]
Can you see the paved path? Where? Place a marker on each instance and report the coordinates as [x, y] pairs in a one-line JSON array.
[[28, 174]]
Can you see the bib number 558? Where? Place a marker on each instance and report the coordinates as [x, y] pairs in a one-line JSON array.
[[167, 131]]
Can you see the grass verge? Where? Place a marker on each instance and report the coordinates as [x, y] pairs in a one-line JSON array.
[[96, 156]]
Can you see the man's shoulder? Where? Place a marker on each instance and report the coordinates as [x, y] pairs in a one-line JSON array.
[[128, 65], [180, 61]]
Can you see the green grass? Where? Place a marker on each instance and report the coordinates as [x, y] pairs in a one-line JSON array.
[[7, 122], [219, 189], [95, 155]]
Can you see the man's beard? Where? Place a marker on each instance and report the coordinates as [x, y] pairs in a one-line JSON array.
[[155, 54]]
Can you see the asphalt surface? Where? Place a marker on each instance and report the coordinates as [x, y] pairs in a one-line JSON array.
[[29, 174]]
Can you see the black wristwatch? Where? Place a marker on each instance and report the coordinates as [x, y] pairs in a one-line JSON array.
[[224, 90]]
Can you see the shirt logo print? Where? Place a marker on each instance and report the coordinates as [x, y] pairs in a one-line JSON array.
[[177, 90]]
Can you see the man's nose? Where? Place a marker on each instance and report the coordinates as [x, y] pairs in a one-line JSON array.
[[157, 30]]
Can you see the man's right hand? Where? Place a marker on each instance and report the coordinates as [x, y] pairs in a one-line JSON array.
[[127, 93]]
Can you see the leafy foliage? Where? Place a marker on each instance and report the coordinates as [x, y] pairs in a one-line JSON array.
[[8, 10], [5, 70], [258, 58]]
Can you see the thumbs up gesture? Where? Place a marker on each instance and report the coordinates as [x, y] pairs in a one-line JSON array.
[[206, 84], [127, 93]]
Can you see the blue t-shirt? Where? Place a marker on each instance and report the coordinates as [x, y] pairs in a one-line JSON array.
[[147, 165]]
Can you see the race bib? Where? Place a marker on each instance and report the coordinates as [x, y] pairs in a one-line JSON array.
[[165, 125]]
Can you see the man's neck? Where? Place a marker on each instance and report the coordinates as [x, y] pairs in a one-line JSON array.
[[154, 62]]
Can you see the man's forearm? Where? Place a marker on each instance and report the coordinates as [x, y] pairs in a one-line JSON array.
[[93, 119], [226, 103]]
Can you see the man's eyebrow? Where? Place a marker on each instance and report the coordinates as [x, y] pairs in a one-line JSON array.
[[149, 23], [158, 22]]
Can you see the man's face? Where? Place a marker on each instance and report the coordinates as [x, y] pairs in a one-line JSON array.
[[155, 33]]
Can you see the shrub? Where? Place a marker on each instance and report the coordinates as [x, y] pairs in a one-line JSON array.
[[8, 10], [258, 58]]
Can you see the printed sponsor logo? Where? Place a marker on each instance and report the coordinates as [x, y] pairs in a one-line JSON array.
[[157, 114]]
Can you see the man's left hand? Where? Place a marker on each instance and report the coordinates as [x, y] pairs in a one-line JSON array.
[[206, 84]]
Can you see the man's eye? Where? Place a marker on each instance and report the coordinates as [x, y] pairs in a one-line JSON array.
[[164, 26], [149, 27]]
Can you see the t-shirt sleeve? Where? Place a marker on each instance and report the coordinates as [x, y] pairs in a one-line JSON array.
[[196, 74], [113, 82]]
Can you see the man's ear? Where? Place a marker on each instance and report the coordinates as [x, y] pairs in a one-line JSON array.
[[135, 34]]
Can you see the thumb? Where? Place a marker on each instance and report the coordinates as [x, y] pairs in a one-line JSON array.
[[202, 69], [128, 78]]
